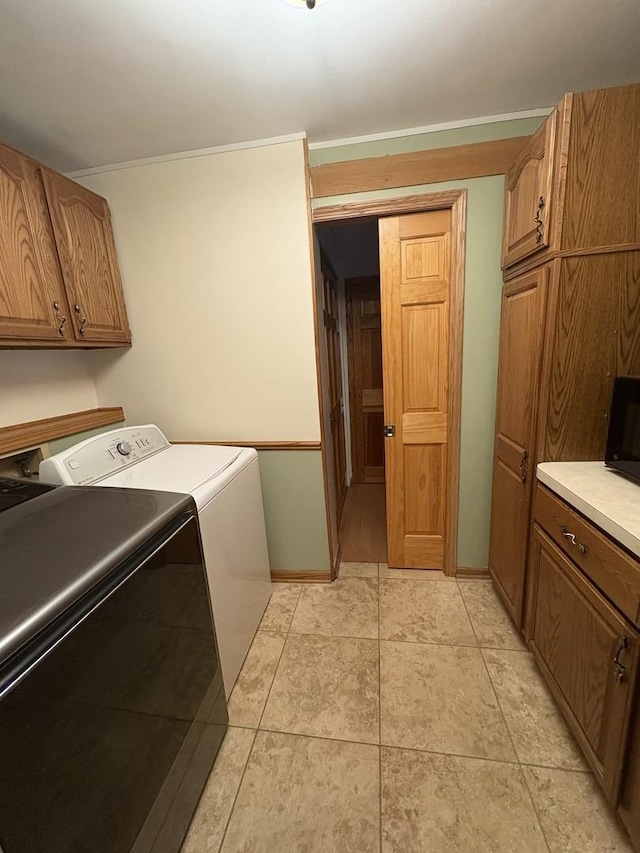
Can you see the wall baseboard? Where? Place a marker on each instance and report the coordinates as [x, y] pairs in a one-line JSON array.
[[473, 573], [285, 576]]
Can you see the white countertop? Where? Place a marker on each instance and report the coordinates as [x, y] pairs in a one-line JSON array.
[[605, 497]]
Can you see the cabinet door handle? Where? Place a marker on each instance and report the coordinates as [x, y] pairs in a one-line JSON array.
[[522, 467], [538, 220], [60, 317], [81, 318], [619, 668], [572, 538]]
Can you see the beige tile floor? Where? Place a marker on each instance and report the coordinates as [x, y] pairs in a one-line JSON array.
[[393, 712]]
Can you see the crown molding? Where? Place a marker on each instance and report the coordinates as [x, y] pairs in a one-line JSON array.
[[431, 128], [187, 155]]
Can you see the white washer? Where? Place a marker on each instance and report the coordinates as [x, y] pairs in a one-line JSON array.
[[225, 484]]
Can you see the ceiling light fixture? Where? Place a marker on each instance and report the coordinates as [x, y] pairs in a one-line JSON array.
[[305, 4]]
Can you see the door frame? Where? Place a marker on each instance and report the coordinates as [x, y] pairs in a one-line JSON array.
[[456, 201], [364, 280]]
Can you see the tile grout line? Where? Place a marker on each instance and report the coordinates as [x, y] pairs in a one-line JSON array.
[[522, 774], [535, 808], [257, 729], [237, 794], [275, 672], [379, 717]]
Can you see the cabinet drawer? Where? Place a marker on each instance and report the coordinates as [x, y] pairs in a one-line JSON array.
[[613, 571]]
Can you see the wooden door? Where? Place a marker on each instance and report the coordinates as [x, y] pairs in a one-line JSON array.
[[32, 301], [528, 196], [415, 264], [365, 379], [336, 407], [82, 227], [588, 654], [519, 361]]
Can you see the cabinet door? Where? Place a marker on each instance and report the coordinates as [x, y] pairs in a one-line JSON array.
[[521, 338], [528, 196], [588, 654], [32, 302], [82, 227], [629, 805]]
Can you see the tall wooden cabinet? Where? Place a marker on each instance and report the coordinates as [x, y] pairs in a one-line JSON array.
[[570, 309], [59, 278], [521, 334]]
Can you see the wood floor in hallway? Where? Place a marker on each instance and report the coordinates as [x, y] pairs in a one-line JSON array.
[[363, 531]]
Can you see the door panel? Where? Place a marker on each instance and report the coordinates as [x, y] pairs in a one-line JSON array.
[[32, 302], [365, 379], [336, 408], [521, 337], [528, 196], [82, 226], [415, 265]]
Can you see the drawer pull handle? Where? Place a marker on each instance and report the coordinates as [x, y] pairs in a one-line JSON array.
[[60, 317], [572, 538], [522, 467], [620, 669], [538, 220], [81, 318]]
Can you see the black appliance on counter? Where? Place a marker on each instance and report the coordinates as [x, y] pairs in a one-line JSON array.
[[112, 707], [623, 439]]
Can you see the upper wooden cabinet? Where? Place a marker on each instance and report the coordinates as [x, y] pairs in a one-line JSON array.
[[82, 228], [574, 188], [59, 278], [528, 187], [32, 299]]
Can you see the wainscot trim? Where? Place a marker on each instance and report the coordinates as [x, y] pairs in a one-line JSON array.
[[261, 445], [433, 166], [33, 433]]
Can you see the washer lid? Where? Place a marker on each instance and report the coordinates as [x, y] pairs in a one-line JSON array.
[[179, 468]]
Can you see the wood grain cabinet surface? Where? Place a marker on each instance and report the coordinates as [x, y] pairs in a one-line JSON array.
[[82, 228], [59, 278], [574, 188], [588, 654], [528, 189], [586, 327], [521, 327], [32, 298]]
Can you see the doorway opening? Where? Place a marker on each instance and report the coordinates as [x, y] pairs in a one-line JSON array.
[[350, 262], [390, 282]]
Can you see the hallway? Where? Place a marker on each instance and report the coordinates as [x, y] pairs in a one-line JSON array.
[[400, 712], [363, 529]]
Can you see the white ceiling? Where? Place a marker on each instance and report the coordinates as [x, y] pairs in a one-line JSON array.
[[88, 82]]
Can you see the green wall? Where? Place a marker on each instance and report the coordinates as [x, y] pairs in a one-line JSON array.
[[483, 284], [294, 509], [57, 445]]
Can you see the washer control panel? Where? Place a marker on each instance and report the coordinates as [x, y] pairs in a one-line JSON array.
[[99, 457]]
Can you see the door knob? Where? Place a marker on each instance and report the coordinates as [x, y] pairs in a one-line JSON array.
[[389, 431]]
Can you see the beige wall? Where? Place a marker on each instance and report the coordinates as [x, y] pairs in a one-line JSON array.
[[37, 384], [214, 254]]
